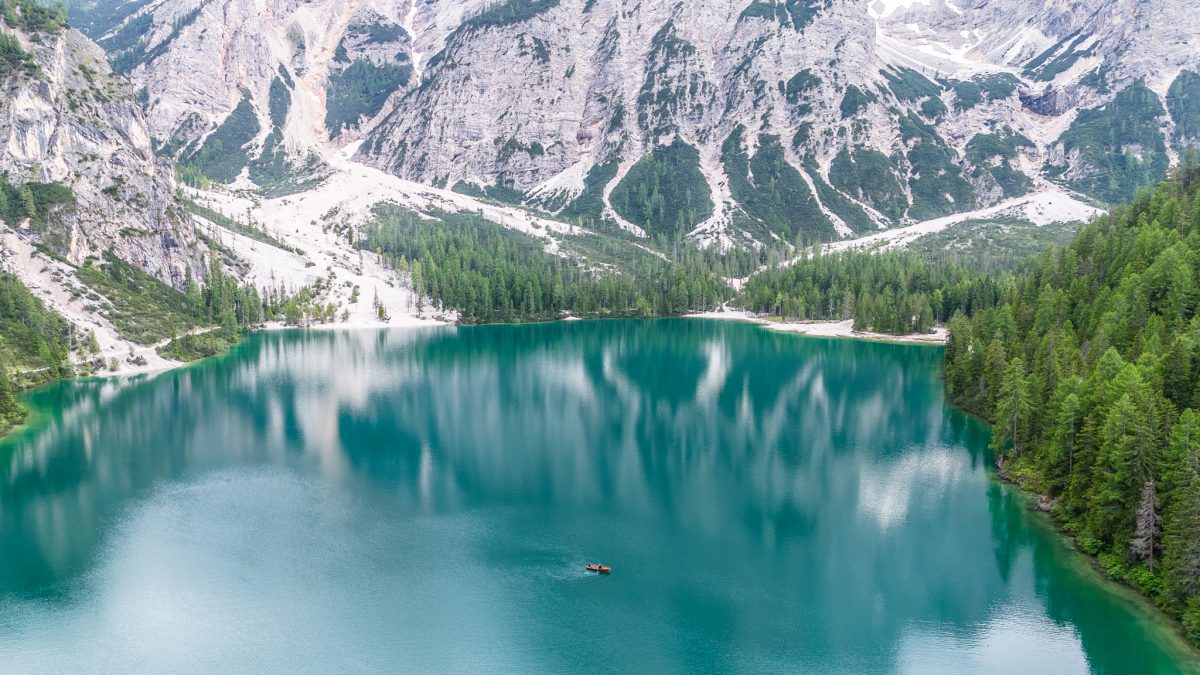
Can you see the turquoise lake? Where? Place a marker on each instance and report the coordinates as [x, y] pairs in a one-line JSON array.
[[426, 500]]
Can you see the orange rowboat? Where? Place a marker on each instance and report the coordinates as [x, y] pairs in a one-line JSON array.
[[602, 569]]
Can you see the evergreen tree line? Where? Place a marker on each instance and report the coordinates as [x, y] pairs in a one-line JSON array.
[[1089, 369], [33, 340], [231, 309], [34, 17], [37, 345], [31, 200], [487, 274], [893, 292]]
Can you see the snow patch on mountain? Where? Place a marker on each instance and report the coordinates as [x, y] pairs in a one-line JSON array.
[[1049, 204]]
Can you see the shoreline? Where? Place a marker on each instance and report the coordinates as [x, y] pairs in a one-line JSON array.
[[826, 329], [1172, 636], [157, 365]]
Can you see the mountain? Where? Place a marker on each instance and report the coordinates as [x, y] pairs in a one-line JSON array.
[[80, 176], [90, 229], [732, 121]]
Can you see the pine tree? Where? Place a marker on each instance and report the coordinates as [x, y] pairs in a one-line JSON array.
[[1181, 544], [1064, 435], [994, 367], [1013, 408], [28, 203], [11, 412]]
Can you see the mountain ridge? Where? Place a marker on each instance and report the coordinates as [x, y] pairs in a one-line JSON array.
[[877, 113]]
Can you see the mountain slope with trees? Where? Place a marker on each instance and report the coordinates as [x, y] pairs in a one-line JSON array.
[[1089, 367]]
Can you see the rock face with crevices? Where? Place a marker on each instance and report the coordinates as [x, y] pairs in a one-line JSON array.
[[810, 119], [70, 122]]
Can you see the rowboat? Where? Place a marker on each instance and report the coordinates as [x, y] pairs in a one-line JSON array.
[[602, 569]]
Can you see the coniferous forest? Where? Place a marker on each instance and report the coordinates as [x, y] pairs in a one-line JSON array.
[[1089, 369], [896, 293], [487, 274]]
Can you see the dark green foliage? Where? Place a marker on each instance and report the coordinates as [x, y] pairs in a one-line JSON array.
[[512, 146], [507, 13], [993, 87], [31, 336], [97, 19], [287, 78], [870, 177], [34, 341], [12, 412], [997, 86], [993, 154], [895, 292], [909, 85], [855, 100], [664, 95], [1109, 141], [665, 192], [936, 181], [274, 171], [851, 214], [913, 128], [127, 44], [147, 311], [377, 33], [1098, 80], [794, 13], [497, 193], [800, 84], [802, 136], [360, 91], [189, 348], [993, 244], [538, 48], [937, 185], [223, 154], [144, 309], [280, 100], [128, 47], [933, 108], [35, 201], [1183, 101], [967, 95], [772, 191], [1102, 339], [1036, 63], [34, 17], [588, 208], [14, 60], [227, 310], [488, 274]]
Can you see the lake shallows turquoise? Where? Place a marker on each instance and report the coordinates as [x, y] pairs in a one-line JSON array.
[[426, 500]]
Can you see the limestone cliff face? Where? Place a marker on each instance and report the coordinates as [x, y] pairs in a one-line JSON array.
[[965, 104], [73, 122], [855, 114]]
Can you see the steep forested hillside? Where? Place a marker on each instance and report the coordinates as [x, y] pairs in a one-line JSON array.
[[1090, 369], [896, 293], [487, 274]]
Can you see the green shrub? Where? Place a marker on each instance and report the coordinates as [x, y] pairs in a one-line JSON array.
[[665, 192], [223, 155], [360, 91]]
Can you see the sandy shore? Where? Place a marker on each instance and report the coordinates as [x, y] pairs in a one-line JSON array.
[[833, 329]]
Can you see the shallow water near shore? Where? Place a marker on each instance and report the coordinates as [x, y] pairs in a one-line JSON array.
[[426, 500]]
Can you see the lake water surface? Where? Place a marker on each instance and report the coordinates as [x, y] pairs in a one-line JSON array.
[[425, 500]]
